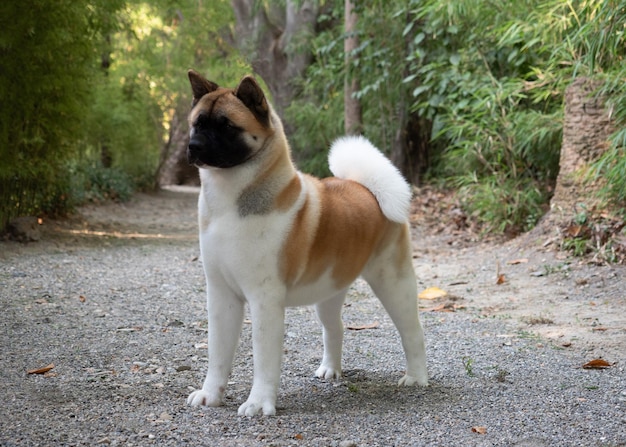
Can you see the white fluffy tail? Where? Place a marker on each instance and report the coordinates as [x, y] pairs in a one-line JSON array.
[[355, 158]]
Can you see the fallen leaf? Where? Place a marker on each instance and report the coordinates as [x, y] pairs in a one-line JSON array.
[[299, 436], [43, 370], [82, 298], [501, 279], [445, 307], [479, 430], [373, 325], [599, 329], [517, 261], [574, 230], [432, 293], [597, 364]]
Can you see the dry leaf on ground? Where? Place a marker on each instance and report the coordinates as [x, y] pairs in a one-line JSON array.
[[597, 364], [43, 370], [445, 307], [373, 325], [479, 430], [501, 279], [517, 261], [432, 293]]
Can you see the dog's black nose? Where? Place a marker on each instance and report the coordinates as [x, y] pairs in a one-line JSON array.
[[197, 143]]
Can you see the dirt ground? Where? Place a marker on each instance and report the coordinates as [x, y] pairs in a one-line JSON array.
[[570, 301], [113, 296]]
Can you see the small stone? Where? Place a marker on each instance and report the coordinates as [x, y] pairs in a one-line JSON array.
[[183, 368], [347, 444]]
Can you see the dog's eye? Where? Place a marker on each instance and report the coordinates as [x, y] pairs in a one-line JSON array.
[[202, 121], [228, 124]]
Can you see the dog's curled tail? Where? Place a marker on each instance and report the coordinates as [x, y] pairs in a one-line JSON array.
[[355, 158]]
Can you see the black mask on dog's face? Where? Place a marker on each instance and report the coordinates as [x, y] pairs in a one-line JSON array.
[[216, 142]]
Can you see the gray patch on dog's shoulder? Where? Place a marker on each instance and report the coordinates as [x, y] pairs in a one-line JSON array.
[[256, 201]]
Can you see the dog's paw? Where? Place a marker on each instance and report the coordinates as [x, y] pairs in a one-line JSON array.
[[252, 407], [328, 373], [410, 381], [201, 397]]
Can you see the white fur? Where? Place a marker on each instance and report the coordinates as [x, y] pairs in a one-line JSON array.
[[355, 158]]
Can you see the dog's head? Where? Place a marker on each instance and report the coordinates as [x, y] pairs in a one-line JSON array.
[[228, 127]]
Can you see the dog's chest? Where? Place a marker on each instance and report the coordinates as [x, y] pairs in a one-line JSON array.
[[244, 249]]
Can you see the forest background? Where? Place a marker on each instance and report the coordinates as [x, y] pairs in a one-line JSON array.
[[465, 95]]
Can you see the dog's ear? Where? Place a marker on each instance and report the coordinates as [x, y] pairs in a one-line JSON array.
[[250, 93], [200, 86]]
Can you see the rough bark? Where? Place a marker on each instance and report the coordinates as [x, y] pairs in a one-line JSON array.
[[586, 130], [411, 146], [353, 123], [276, 40]]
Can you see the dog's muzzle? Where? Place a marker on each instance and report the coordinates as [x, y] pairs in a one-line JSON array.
[[197, 144]]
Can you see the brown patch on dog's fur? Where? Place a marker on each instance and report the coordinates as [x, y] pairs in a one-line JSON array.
[[349, 228], [287, 197]]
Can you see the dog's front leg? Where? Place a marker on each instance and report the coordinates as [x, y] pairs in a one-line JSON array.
[[268, 326], [225, 321]]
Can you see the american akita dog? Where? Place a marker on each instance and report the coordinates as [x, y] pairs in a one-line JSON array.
[[272, 237]]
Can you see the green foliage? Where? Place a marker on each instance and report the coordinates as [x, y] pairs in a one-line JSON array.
[[377, 64], [498, 129], [137, 96], [96, 83], [95, 183], [316, 115], [47, 49]]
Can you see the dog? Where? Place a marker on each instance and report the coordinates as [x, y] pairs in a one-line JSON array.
[[272, 237]]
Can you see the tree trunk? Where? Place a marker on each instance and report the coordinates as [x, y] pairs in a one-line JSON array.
[[586, 130], [276, 37], [353, 123], [173, 168], [411, 144]]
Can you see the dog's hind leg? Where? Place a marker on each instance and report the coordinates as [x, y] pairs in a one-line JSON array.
[[329, 313], [397, 291]]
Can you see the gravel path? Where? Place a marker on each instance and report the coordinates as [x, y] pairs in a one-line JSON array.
[[114, 298]]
